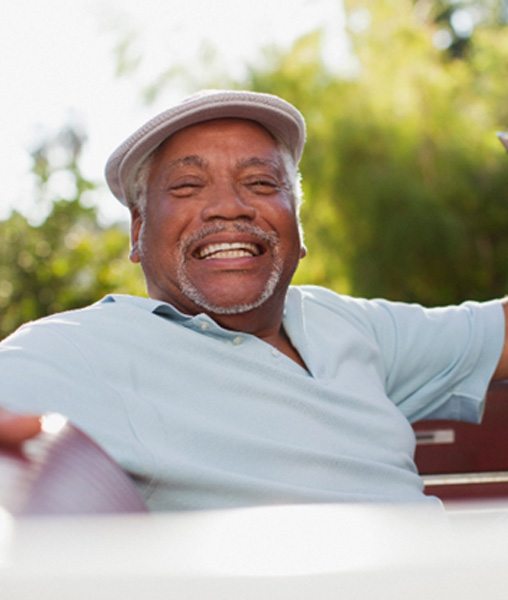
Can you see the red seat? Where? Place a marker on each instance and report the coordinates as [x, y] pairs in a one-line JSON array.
[[462, 461]]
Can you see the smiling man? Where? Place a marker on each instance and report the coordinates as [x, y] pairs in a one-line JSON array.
[[226, 386], [215, 226]]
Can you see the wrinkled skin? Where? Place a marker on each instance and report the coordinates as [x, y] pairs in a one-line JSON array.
[[211, 185]]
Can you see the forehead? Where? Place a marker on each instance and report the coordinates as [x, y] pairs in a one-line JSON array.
[[234, 135]]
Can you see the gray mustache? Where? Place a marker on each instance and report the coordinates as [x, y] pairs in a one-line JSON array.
[[270, 238]]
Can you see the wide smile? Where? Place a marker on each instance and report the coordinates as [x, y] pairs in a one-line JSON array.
[[229, 270], [228, 250]]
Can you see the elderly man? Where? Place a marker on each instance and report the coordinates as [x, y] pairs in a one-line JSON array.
[[226, 386]]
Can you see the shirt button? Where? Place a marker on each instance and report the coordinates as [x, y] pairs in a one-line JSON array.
[[237, 340], [204, 326], [275, 353]]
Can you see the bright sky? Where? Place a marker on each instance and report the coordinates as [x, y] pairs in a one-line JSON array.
[[57, 64]]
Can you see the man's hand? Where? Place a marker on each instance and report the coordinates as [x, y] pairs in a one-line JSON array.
[[15, 429]]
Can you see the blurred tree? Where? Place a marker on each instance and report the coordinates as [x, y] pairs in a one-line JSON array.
[[406, 185], [457, 20], [68, 260]]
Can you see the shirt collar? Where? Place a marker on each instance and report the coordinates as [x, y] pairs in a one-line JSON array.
[[149, 304], [167, 310]]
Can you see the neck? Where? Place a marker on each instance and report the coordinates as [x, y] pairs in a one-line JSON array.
[[265, 323]]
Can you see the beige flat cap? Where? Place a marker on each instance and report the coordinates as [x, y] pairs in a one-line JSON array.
[[279, 117]]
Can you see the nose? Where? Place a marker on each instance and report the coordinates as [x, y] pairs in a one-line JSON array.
[[227, 203]]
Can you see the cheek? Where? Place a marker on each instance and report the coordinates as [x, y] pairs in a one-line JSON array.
[[158, 227], [169, 220], [278, 213], [289, 228]]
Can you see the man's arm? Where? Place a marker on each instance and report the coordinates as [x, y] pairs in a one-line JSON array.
[[501, 371], [502, 367], [15, 429]]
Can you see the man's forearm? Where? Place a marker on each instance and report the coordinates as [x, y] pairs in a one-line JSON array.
[[501, 371]]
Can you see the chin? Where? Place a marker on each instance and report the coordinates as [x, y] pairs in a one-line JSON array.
[[228, 308], [220, 303]]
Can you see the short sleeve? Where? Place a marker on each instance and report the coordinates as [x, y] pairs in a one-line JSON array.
[[438, 361]]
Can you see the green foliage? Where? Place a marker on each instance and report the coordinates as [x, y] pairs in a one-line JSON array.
[[68, 260], [457, 20], [406, 186]]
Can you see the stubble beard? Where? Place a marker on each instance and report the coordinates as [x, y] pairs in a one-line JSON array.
[[197, 297]]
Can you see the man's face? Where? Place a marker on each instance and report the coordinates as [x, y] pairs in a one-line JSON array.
[[219, 232]]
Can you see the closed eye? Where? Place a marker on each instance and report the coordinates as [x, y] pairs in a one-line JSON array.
[[263, 186], [185, 188]]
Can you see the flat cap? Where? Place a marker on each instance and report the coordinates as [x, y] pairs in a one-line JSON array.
[[279, 117]]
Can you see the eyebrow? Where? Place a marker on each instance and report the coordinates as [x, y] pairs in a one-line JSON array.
[[202, 163], [255, 161], [192, 160]]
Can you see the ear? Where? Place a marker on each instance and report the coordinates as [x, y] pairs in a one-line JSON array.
[[136, 223]]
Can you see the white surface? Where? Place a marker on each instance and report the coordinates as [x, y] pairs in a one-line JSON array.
[[281, 552]]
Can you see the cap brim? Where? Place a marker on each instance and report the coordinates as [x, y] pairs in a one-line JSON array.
[[279, 117]]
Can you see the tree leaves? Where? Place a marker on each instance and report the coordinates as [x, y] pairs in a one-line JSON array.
[[66, 261]]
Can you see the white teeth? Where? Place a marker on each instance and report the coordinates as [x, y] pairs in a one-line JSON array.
[[230, 254], [228, 250]]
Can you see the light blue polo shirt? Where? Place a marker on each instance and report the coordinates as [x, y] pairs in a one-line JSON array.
[[203, 417]]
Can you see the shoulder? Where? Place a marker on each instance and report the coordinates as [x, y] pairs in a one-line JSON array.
[[315, 294], [110, 311], [381, 318], [320, 299]]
